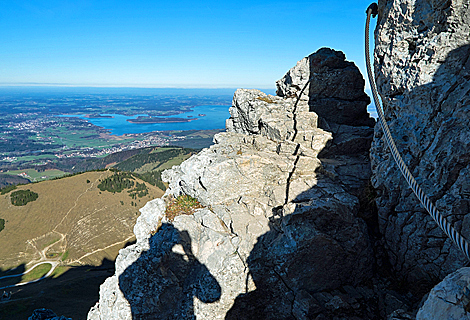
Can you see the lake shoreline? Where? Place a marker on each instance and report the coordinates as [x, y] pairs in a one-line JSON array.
[[147, 120]]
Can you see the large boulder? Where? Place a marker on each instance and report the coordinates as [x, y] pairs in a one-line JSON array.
[[450, 299], [335, 89], [422, 67]]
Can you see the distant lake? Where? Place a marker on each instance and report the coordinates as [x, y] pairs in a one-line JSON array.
[[372, 111], [214, 118]]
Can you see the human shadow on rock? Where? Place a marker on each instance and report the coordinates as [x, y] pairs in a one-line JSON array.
[[162, 282]]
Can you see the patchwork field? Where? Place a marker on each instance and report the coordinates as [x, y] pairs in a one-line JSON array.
[[33, 175]]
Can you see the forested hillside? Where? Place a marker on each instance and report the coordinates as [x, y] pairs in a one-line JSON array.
[[155, 157]]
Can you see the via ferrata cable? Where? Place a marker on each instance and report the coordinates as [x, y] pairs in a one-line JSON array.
[[460, 241]]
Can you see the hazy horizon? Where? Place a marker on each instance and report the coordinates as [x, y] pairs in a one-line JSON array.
[[182, 44]]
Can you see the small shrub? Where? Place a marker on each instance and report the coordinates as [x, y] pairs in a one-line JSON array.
[[183, 204], [2, 224]]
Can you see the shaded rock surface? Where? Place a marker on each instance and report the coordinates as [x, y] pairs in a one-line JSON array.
[[46, 314], [286, 228], [422, 66]]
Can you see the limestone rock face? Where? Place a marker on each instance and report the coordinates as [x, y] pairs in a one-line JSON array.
[[283, 232], [422, 67]]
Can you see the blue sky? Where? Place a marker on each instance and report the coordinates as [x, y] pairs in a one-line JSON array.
[[176, 43]]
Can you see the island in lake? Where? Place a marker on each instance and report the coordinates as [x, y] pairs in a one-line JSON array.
[[97, 116], [141, 119]]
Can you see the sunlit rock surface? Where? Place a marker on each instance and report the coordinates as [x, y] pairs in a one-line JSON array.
[[450, 299]]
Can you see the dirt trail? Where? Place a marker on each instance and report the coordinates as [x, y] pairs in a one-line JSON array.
[[42, 253], [53, 264]]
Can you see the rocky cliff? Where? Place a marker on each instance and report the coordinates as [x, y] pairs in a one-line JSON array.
[[286, 231], [422, 65]]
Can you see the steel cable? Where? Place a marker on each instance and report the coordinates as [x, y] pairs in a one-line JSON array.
[[460, 241]]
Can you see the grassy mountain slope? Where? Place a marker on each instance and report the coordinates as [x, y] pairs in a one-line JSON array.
[[71, 220], [6, 179], [81, 222], [100, 163], [131, 160]]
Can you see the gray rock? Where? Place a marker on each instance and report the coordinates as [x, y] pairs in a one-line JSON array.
[[422, 68], [254, 112], [450, 299], [400, 315], [336, 88]]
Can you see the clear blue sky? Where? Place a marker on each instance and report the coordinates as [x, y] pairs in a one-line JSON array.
[[175, 43]]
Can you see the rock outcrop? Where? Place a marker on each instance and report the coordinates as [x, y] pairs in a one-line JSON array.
[[285, 232], [332, 86], [46, 314], [422, 66]]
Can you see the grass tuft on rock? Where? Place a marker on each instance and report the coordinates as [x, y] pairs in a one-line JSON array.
[[183, 204], [265, 99]]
